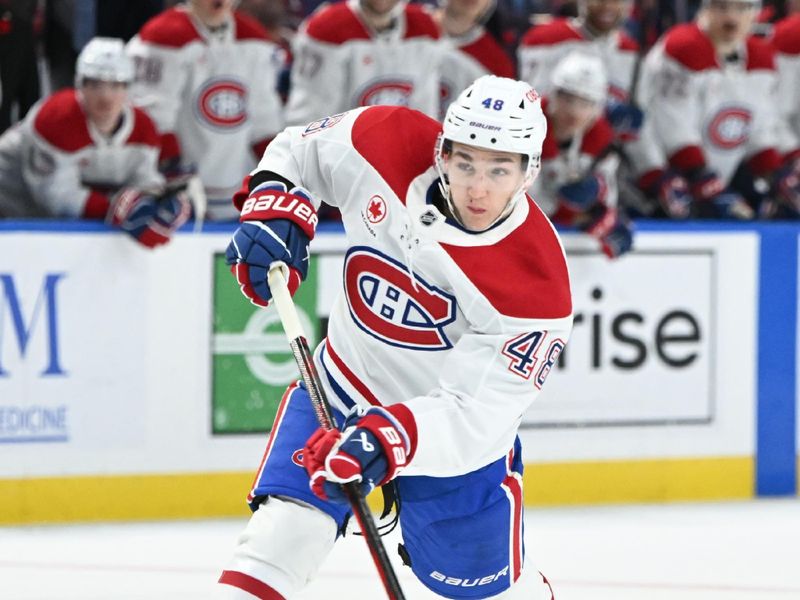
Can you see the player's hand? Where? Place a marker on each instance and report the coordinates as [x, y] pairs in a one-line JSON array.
[[277, 226], [612, 230], [626, 120], [372, 448], [672, 193], [581, 195], [786, 187], [150, 219], [712, 201]]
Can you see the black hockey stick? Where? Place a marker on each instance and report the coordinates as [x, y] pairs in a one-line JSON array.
[[308, 372]]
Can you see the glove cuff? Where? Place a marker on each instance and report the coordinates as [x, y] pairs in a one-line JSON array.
[[268, 204], [396, 431]]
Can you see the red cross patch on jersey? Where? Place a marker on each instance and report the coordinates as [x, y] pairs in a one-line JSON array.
[[385, 303]]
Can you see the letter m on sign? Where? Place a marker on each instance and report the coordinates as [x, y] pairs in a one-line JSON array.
[[22, 330]]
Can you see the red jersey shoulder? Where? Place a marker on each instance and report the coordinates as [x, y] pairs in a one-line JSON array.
[[525, 274], [398, 142], [688, 45], [336, 24], [598, 137], [420, 23], [172, 28], [786, 37], [627, 43], [760, 55], [144, 130], [554, 32], [491, 55], [247, 28], [62, 123]]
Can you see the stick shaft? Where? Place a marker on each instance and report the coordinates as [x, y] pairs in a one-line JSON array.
[[308, 372]]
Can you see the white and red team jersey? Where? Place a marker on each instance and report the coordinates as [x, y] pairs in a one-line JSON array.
[[461, 328], [544, 46], [56, 163], [468, 57], [212, 94], [786, 40], [563, 165], [341, 63], [703, 110]]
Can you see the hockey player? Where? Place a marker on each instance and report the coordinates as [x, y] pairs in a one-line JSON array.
[[361, 53], [597, 31], [456, 303], [207, 75], [577, 185], [786, 40], [710, 91], [85, 152], [472, 51]]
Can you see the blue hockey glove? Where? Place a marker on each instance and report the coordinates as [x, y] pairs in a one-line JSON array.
[[372, 448], [583, 194], [614, 232], [151, 220], [626, 119], [277, 226], [672, 193], [786, 187], [712, 201]]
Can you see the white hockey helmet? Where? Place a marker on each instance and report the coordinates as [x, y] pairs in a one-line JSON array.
[[104, 59], [497, 113], [581, 75]]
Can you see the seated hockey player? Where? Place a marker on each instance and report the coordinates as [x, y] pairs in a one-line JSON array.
[[710, 90], [578, 183], [598, 31], [455, 306], [86, 152], [472, 50], [364, 53]]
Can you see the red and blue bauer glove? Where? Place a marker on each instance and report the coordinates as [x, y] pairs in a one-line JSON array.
[[277, 225], [372, 447], [149, 219]]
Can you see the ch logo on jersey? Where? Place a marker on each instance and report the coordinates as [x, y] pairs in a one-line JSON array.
[[730, 127], [222, 103], [390, 93], [320, 124], [523, 352], [376, 209], [384, 302]]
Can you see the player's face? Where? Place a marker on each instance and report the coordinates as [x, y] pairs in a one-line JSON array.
[[570, 114], [212, 12], [729, 21], [481, 183], [605, 15], [469, 10], [378, 8], [103, 102]]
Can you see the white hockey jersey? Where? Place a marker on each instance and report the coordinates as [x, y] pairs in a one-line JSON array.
[[565, 165], [340, 63], [786, 40], [468, 57], [56, 163], [544, 46], [461, 328], [212, 95], [703, 110]]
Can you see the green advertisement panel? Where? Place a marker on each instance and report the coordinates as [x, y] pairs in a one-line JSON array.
[[251, 364]]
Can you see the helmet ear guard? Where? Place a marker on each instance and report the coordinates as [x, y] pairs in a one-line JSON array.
[[495, 113]]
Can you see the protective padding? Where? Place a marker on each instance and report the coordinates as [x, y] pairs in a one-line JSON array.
[[284, 544]]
